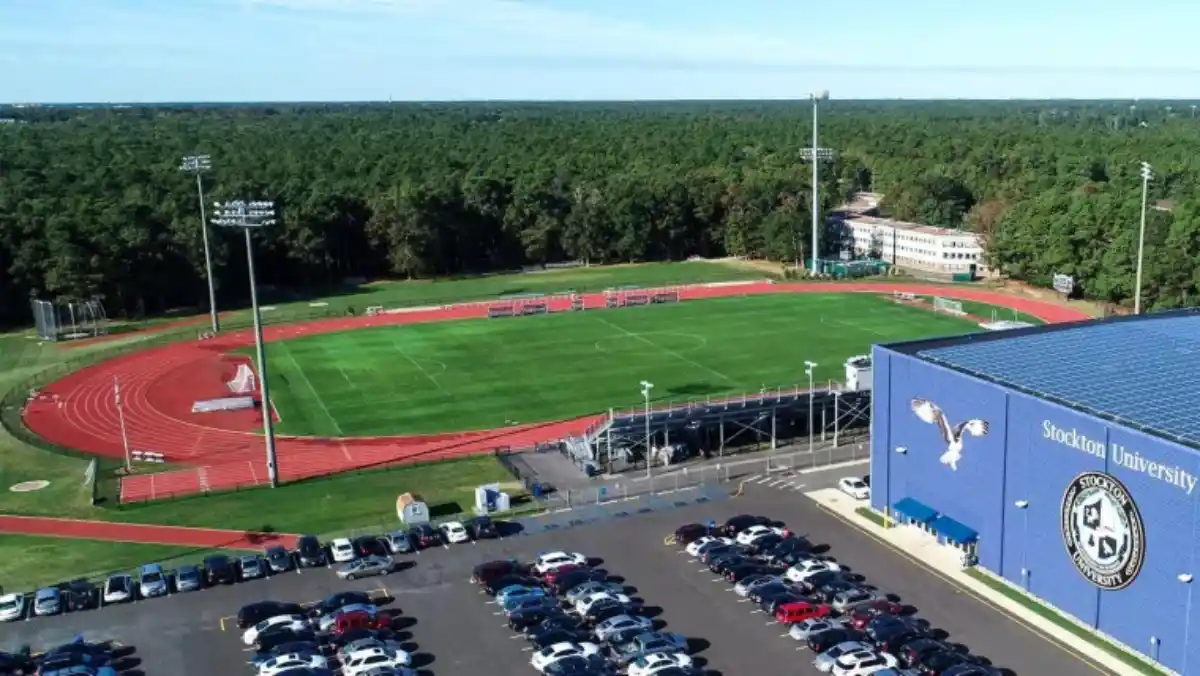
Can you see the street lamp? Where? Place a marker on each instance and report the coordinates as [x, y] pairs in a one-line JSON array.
[[647, 386], [1147, 174], [816, 154], [808, 371], [1023, 505], [252, 216], [198, 164]]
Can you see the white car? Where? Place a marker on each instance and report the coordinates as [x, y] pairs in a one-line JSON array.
[[825, 662], [285, 663], [343, 550], [863, 663], [583, 605], [854, 487], [813, 625], [292, 622], [361, 661], [455, 533], [693, 549], [809, 567], [545, 563], [118, 589], [754, 533], [648, 665], [12, 607], [553, 653]]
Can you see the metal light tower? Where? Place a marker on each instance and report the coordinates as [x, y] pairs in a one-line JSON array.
[[252, 216], [1147, 174], [198, 164], [647, 386], [816, 154], [809, 366], [1023, 505]]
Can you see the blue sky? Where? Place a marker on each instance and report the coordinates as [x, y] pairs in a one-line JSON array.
[[283, 50]]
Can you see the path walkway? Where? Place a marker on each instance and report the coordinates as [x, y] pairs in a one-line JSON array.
[[177, 536], [947, 563]]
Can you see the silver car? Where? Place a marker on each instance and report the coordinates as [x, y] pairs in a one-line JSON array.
[[152, 581], [588, 588], [400, 542], [366, 567], [622, 623], [189, 578], [748, 585], [47, 601], [813, 625], [852, 599], [825, 661], [252, 567]]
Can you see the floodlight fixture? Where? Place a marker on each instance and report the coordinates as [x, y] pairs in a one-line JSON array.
[[822, 95], [1185, 578], [902, 450], [196, 164], [1021, 504], [821, 154], [809, 366]]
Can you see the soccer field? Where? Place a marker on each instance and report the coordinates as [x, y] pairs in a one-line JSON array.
[[479, 374]]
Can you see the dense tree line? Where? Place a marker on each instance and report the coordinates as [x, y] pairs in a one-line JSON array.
[[92, 201]]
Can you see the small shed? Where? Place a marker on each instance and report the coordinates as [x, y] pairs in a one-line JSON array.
[[411, 509]]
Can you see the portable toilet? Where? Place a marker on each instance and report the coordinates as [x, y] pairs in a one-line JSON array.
[[485, 498], [411, 509]]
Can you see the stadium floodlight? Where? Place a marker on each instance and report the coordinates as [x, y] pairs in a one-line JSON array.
[[1021, 504], [1147, 174], [198, 164], [1185, 578], [252, 216], [816, 155], [809, 367], [902, 450], [647, 387]]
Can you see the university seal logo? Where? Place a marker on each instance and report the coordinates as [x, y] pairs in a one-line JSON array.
[[1103, 530]]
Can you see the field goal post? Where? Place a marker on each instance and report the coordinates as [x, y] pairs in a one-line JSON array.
[[950, 307], [244, 381]]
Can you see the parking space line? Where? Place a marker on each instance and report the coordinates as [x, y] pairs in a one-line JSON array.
[[227, 617]]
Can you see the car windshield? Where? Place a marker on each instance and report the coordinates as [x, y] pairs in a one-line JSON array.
[[151, 577], [118, 583], [189, 574], [9, 604], [856, 483]]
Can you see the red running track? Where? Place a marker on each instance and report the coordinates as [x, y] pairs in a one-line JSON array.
[[200, 538], [159, 385]]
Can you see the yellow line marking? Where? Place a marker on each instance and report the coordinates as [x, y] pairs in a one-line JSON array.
[[970, 592], [227, 617], [669, 540]]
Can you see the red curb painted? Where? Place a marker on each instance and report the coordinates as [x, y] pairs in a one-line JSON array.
[[86, 418], [178, 536]]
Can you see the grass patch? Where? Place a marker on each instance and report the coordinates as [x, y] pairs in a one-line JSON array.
[[872, 516], [27, 562], [454, 376], [1008, 591], [343, 502]]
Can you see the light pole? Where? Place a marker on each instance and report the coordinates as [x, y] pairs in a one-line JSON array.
[[252, 216], [1023, 505], [198, 164], [808, 371], [647, 386], [816, 154], [1186, 578], [1147, 174]]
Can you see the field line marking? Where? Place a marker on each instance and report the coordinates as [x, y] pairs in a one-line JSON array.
[[320, 401], [422, 369], [673, 353]]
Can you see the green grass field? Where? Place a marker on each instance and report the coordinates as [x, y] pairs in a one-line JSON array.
[[479, 374]]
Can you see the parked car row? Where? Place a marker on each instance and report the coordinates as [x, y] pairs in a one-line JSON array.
[[76, 658], [362, 556], [851, 628], [581, 621], [347, 634]]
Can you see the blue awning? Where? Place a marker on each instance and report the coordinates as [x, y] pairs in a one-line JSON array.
[[953, 531], [915, 510]]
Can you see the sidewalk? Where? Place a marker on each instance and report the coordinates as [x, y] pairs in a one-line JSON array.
[[946, 562], [179, 536]]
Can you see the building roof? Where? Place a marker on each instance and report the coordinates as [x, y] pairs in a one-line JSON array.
[[1141, 371], [904, 226]]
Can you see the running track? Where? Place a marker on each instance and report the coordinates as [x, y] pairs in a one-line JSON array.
[[200, 538], [159, 385]]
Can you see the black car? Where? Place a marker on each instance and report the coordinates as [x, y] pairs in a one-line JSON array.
[[558, 621], [690, 532], [885, 627], [218, 569], [493, 571], [269, 640], [482, 528], [766, 543], [425, 535], [826, 592], [823, 578], [824, 640], [531, 617], [81, 595], [16, 663], [933, 664], [309, 551], [578, 666], [742, 571], [792, 544], [370, 545], [722, 563], [772, 589], [278, 558], [253, 613], [571, 579], [340, 600], [602, 610], [910, 653], [549, 637], [896, 643], [736, 524]]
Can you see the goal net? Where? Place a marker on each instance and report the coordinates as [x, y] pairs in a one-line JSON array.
[[243, 381], [948, 306]]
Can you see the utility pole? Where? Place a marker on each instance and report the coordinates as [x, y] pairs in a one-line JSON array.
[[816, 154], [1147, 174], [198, 164]]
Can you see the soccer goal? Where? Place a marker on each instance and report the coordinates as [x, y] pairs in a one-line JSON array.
[[243, 381], [948, 306]]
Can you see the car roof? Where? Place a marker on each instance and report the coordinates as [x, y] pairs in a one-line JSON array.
[[47, 591], [341, 542], [152, 568]]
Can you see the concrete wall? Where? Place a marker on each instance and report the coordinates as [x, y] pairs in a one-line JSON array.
[[1033, 452]]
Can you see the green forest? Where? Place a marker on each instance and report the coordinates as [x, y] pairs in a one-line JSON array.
[[93, 204]]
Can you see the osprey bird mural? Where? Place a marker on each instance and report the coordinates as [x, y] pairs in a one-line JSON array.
[[953, 436]]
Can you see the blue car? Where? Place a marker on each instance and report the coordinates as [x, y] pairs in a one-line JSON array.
[[517, 591], [529, 602]]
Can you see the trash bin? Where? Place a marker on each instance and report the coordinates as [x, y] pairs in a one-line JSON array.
[[536, 490]]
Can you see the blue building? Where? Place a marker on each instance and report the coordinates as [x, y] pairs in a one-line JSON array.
[[1066, 457]]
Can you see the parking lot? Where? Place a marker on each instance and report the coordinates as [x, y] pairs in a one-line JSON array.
[[454, 630]]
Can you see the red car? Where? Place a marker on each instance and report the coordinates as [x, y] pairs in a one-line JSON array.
[[358, 619], [799, 611], [861, 617]]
